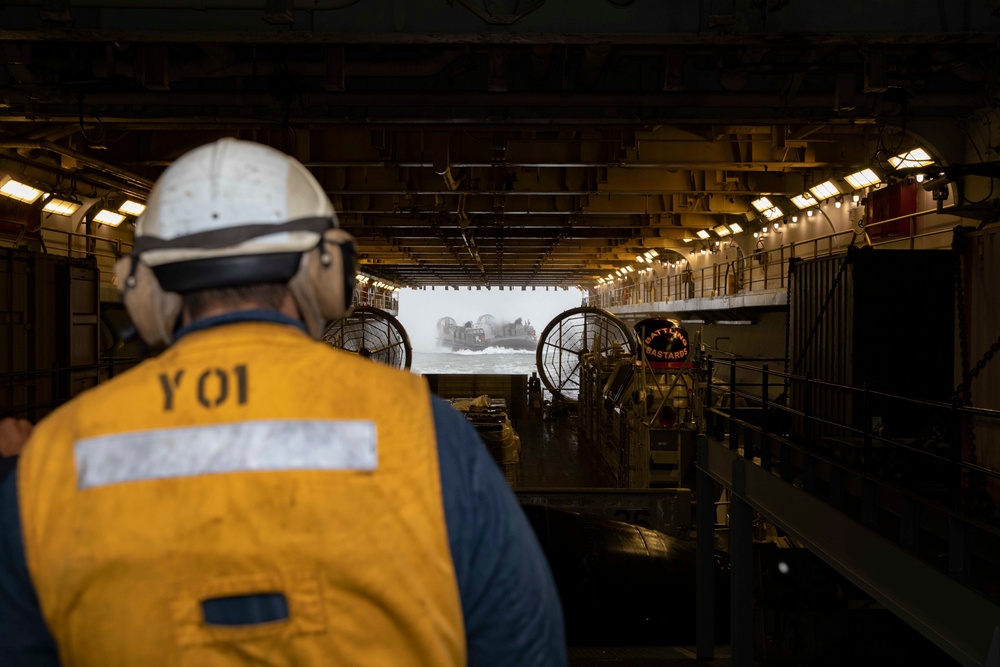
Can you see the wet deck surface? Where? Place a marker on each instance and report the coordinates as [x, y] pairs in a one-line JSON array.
[[553, 457]]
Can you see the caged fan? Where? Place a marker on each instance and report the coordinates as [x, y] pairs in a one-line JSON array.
[[374, 334], [569, 336]]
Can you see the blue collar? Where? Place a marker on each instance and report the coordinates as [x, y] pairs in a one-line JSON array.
[[257, 315]]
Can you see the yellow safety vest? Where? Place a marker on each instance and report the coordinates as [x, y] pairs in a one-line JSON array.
[[246, 459]]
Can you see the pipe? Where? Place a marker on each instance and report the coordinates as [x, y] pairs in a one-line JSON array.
[[94, 163]]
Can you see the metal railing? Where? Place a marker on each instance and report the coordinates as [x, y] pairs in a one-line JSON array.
[[914, 482], [761, 271]]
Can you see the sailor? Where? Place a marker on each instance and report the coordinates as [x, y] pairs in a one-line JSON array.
[[251, 495]]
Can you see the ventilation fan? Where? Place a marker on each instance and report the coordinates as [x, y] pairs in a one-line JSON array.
[[374, 334], [568, 337]]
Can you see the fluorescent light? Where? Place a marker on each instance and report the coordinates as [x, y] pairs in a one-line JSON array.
[[721, 230], [61, 206], [653, 253], [640, 259], [772, 213], [735, 228], [825, 190], [133, 208], [109, 218], [863, 179], [804, 200], [702, 234], [19, 191], [917, 157], [762, 204], [687, 239]]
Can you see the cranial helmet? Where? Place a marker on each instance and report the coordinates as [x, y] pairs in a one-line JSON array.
[[235, 213]]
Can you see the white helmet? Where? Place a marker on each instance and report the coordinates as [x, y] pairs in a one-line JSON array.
[[234, 213]]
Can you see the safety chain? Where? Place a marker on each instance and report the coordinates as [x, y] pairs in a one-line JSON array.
[[981, 503]]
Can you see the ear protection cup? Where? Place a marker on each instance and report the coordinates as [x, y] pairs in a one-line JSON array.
[[323, 287], [154, 312]]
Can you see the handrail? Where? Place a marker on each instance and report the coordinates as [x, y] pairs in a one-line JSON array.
[[761, 273]]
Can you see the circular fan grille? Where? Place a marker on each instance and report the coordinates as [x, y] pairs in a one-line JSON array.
[[374, 334], [568, 337]]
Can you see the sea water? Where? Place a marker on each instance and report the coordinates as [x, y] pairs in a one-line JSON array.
[[494, 360]]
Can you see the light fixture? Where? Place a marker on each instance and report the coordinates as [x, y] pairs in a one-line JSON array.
[[809, 213], [687, 239], [109, 218], [132, 208], [756, 235], [721, 230], [652, 253], [630, 269], [804, 200], [762, 204], [19, 191], [704, 251], [916, 157], [773, 213], [795, 218], [702, 234], [824, 190], [775, 225], [856, 197], [640, 259], [61, 206], [920, 178], [863, 179], [838, 201], [735, 228]]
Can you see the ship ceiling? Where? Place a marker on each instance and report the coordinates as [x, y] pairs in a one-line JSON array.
[[498, 142]]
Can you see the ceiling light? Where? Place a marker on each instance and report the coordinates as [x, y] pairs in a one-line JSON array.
[[773, 213], [652, 253], [762, 204], [61, 206], [687, 239], [917, 157], [863, 179], [132, 208], [702, 234], [804, 200], [735, 228], [19, 191], [109, 218], [824, 190], [640, 259], [721, 230], [630, 269]]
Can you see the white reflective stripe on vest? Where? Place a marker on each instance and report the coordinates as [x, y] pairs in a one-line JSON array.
[[239, 447]]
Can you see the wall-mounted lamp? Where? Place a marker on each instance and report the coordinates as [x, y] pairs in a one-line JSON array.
[[132, 208], [839, 201], [61, 205], [109, 218], [825, 190], [863, 179], [19, 191], [916, 157], [804, 200]]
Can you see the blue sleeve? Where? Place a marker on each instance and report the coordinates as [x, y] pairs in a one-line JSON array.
[[509, 598], [24, 638]]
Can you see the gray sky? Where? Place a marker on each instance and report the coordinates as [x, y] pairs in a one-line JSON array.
[[419, 310]]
